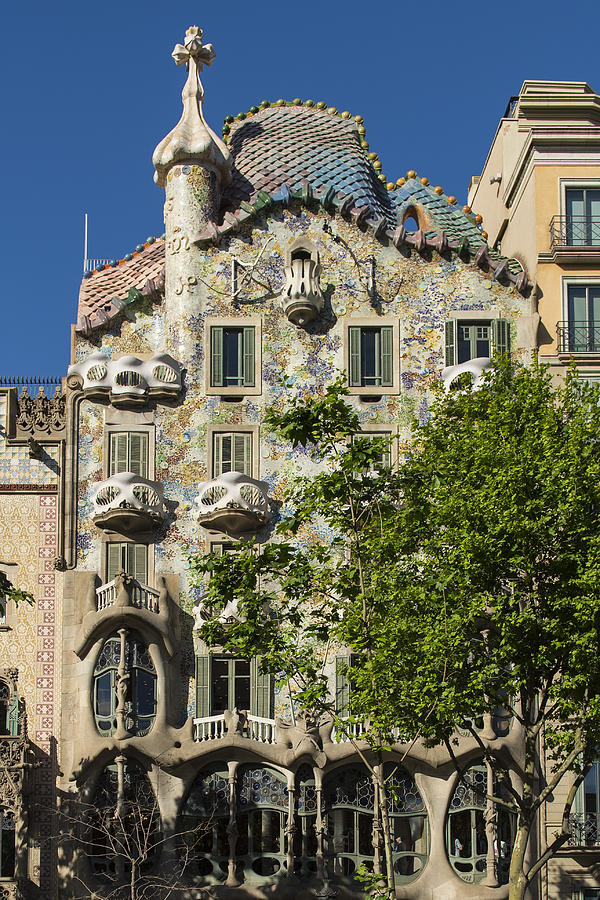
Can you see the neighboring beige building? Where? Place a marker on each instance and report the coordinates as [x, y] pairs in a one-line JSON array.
[[539, 196]]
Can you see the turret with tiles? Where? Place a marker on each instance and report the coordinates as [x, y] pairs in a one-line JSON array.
[[287, 258]]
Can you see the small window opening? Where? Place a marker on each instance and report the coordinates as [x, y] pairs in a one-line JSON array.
[[410, 224]]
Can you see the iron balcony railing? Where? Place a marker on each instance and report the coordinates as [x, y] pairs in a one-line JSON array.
[[574, 231], [584, 829], [578, 337]]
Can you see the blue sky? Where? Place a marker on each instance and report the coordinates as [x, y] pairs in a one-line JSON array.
[[88, 90]]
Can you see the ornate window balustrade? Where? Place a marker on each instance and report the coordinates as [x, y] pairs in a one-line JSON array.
[[140, 595]]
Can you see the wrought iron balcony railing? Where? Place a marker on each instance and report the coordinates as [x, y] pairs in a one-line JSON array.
[[584, 829], [578, 337], [574, 231]]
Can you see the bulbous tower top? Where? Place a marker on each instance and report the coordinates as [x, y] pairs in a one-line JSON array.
[[192, 139]]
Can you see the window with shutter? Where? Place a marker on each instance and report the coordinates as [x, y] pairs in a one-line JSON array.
[[202, 686], [232, 356], [129, 558], [371, 356], [129, 453], [467, 339], [232, 452], [261, 684]]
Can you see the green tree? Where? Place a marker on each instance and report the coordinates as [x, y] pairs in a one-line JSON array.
[[464, 581], [8, 590], [323, 591], [499, 540]]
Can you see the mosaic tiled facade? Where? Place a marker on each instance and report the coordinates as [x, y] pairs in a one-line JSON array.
[[179, 350]]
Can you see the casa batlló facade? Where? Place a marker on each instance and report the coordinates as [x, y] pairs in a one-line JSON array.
[[287, 258]]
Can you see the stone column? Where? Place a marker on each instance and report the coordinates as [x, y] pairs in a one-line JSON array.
[[232, 829], [123, 678], [290, 830], [376, 834], [319, 823], [491, 832]]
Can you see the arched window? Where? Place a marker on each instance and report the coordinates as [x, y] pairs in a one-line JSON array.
[[408, 823], [349, 798], [204, 820], [124, 659], [123, 822], [7, 843], [305, 836], [262, 808], [467, 838], [4, 704]]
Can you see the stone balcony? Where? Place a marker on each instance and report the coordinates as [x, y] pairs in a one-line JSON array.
[[453, 376], [255, 728], [233, 503], [128, 504], [128, 381], [139, 595]]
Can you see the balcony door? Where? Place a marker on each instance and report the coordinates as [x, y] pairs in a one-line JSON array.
[[584, 318], [583, 217]]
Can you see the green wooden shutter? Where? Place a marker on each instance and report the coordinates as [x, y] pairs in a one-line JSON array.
[[450, 341], [202, 686], [354, 353], [119, 460], [248, 369], [138, 453], [261, 690], [387, 356], [342, 685], [114, 559], [217, 454], [241, 453], [501, 335], [12, 715], [216, 357], [138, 562]]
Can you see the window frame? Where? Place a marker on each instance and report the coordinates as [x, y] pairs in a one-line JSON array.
[[252, 430], [134, 639], [10, 609], [373, 430], [374, 322], [581, 183], [568, 281], [240, 390], [458, 316], [129, 428], [123, 544], [262, 686]]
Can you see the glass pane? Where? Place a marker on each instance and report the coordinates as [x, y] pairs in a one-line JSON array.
[[370, 356], [104, 695], [460, 834], [144, 693], [242, 684], [220, 685], [577, 303], [341, 831], [232, 356], [365, 834], [266, 831], [7, 856]]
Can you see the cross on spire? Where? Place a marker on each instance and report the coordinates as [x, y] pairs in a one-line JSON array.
[[193, 48]]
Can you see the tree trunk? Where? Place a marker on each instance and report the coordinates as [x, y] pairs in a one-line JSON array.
[[517, 882], [387, 839], [132, 882]]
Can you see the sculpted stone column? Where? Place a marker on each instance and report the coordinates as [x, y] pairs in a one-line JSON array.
[[319, 823], [491, 832], [123, 677], [232, 829], [290, 829]]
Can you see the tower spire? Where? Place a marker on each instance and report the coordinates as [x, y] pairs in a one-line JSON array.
[[192, 139]]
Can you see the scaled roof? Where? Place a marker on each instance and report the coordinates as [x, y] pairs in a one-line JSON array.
[[313, 155]]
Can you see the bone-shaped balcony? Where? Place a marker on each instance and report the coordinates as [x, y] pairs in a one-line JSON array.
[[127, 381], [128, 503], [474, 369], [233, 503]]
